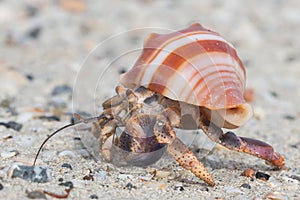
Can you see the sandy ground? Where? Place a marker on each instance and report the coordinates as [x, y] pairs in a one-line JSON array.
[[45, 53]]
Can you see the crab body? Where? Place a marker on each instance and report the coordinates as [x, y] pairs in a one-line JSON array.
[[189, 79]]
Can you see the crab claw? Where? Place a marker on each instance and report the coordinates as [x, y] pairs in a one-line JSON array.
[[253, 147]]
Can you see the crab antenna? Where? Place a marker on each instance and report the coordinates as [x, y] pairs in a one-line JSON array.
[[81, 120]]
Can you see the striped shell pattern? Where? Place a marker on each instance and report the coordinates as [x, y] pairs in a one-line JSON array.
[[196, 66]]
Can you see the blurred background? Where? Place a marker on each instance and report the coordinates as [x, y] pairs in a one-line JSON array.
[[47, 41]]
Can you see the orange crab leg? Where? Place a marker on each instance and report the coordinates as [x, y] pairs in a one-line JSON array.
[[253, 147], [247, 145], [178, 150]]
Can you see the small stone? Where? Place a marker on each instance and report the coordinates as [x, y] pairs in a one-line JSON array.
[[205, 189], [9, 154], [61, 89], [34, 33], [8, 137], [125, 176], [68, 184], [1, 186], [146, 178], [180, 188], [245, 185], [29, 77], [31, 173], [262, 176], [67, 165], [289, 117], [101, 175], [259, 113], [296, 177], [122, 71], [155, 185], [232, 190], [161, 173], [13, 125], [93, 196], [249, 173], [67, 153], [129, 186], [89, 177], [35, 195], [274, 94], [60, 179], [50, 118], [276, 196]]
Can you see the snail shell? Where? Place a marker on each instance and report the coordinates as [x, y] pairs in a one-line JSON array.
[[196, 66]]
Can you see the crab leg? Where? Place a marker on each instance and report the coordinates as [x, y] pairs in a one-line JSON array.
[[253, 147], [178, 150], [241, 144], [103, 130]]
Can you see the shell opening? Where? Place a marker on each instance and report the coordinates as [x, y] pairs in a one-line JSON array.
[[235, 117], [231, 117]]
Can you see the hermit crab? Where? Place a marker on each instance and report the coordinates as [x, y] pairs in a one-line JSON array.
[[189, 79]]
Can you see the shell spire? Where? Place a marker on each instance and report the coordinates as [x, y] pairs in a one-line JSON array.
[[195, 66]]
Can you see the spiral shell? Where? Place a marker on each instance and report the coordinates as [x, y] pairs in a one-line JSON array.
[[196, 66]]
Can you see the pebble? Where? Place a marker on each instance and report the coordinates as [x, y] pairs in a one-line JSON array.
[[262, 176], [67, 153], [93, 196], [68, 184], [89, 177], [49, 118], [122, 71], [161, 173], [232, 190], [1, 186], [34, 33], [245, 185], [146, 178], [249, 173], [125, 176], [12, 125], [259, 113], [35, 195], [61, 89], [101, 174], [296, 177], [155, 185], [129, 186], [274, 94], [289, 117], [29, 77], [31, 173], [179, 187], [205, 189], [276, 196], [9, 154], [67, 165]]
